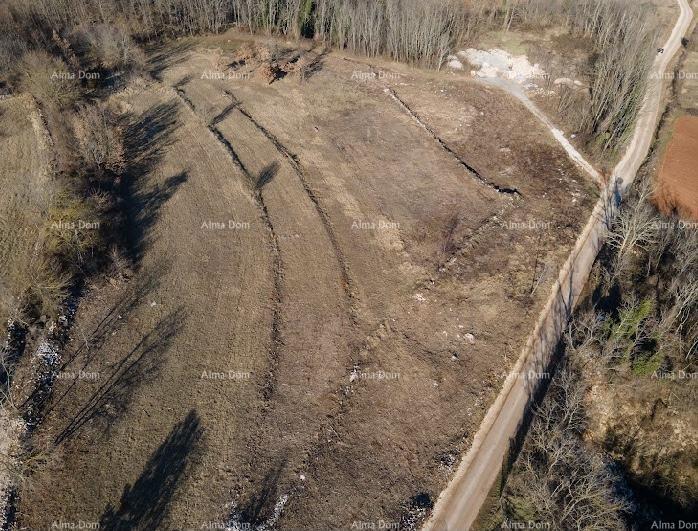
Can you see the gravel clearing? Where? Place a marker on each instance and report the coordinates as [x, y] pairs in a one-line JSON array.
[[499, 63]]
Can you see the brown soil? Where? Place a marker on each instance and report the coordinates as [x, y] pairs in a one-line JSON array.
[[371, 253], [677, 189]]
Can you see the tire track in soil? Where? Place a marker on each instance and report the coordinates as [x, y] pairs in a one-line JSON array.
[[277, 264], [344, 393], [333, 427], [309, 450], [333, 432], [273, 380], [292, 158]]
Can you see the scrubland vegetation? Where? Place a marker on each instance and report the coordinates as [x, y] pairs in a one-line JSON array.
[[68, 69], [630, 342], [63, 229], [558, 480]]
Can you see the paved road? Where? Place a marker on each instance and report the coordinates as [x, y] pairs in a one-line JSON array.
[[459, 504]]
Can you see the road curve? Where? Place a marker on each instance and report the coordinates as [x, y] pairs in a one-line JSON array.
[[459, 504]]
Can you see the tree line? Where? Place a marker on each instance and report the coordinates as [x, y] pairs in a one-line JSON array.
[[419, 31], [622, 34]]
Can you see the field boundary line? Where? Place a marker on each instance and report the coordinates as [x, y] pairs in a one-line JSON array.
[[497, 188]]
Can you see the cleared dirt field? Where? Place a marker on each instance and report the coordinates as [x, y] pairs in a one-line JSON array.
[[382, 239], [676, 177], [27, 192]]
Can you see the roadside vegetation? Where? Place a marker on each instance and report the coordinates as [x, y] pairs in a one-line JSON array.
[[613, 443], [622, 38], [61, 224]]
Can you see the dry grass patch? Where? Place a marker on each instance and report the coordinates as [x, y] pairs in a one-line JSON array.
[[24, 204]]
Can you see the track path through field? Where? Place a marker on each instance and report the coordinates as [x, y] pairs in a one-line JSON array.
[[519, 93]]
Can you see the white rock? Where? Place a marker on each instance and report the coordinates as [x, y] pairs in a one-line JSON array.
[[500, 63]]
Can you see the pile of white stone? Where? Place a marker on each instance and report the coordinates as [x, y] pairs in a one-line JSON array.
[[499, 63]]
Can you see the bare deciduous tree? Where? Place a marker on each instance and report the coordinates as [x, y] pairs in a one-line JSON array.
[[99, 138], [635, 228], [558, 479]]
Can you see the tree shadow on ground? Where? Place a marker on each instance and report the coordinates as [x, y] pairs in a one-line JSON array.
[[315, 66], [183, 81], [140, 365], [224, 113], [3, 130], [83, 357], [166, 55], [146, 503], [146, 138], [315, 63], [259, 508], [537, 376], [142, 211]]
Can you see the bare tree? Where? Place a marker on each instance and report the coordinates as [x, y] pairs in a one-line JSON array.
[[559, 480], [100, 139], [48, 78], [635, 228]]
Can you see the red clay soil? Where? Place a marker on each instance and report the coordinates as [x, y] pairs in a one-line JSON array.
[[678, 178]]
